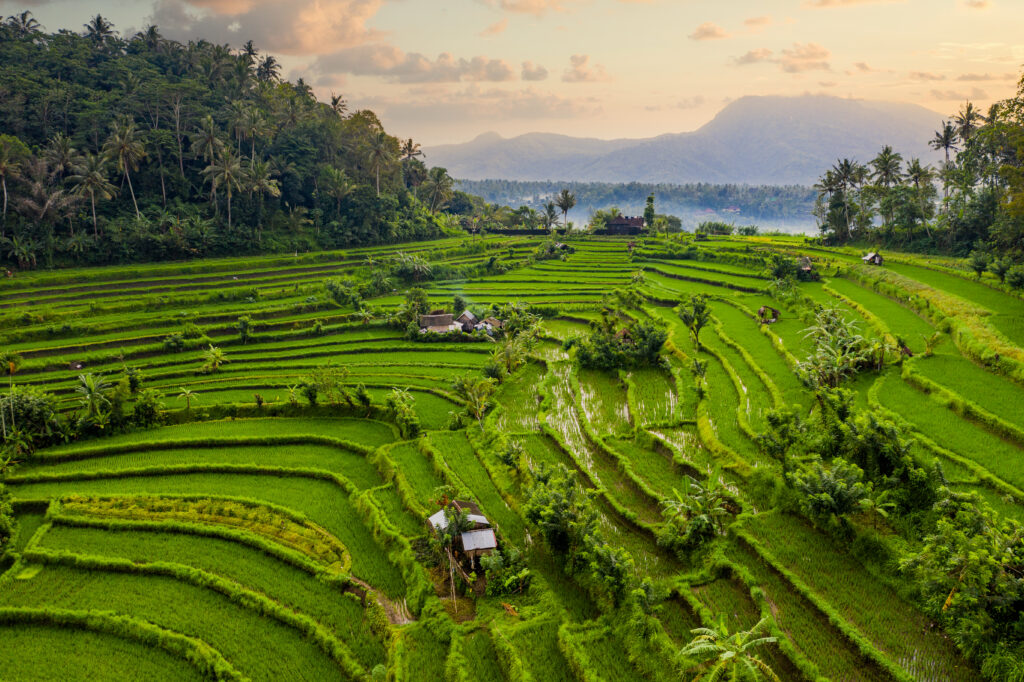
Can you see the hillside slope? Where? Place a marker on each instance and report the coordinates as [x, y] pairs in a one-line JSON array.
[[755, 140]]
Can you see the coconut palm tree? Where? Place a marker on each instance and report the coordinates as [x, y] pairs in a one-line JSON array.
[[338, 105], [99, 30], [945, 139], [188, 395], [968, 120], [93, 390], [60, 155], [90, 177], [126, 149], [565, 201], [410, 150], [725, 656], [440, 185], [510, 354], [42, 201], [228, 173], [381, 154], [24, 24], [261, 182], [921, 176], [206, 143], [269, 70], [550, 215], [335, 184], [887, 173], [10, 167]]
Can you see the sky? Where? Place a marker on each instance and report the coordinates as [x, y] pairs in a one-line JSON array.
[[444, 71]]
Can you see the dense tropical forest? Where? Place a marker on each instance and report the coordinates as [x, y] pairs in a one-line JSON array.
[[972, 202], [118, 149]]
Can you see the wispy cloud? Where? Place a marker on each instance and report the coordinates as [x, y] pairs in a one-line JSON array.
[[582, 71], [495, 28], [709, 31], [392, 63], [974, 93]]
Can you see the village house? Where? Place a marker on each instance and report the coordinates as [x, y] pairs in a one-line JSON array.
[[479, 540], [438, 322], [468, 321], [624, 225]]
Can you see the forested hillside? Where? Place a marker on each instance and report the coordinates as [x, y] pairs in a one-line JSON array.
[[116, 149]]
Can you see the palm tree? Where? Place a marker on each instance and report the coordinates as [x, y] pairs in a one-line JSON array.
[[730, 657], [338, 105], [59, 154], [565, 201], [550, 215], [441, 186], [921, 175], [945, 140], [206, 142], [887, 172], [410, 150], [127, 150], [254, 125], [42, 201], [93, 390], [24, 24], [214, 358], [967, 121], [261, 182], [99, 30], [701, 501], [380, 154], [268, 70], [188, 395], [91, 178], [843, 172], [21, 250], [510, 354], [10, 167], [228, 173], [336, 185]]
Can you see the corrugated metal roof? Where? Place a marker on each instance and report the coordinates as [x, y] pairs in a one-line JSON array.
[[478, 518], [439, 520], [479, 539]]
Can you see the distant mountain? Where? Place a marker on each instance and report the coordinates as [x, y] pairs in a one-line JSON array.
[[754, 140]]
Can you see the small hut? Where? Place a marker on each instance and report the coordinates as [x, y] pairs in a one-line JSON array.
[[468, 321], [767, 315], [479, 540], [624, 336], [438, 322], [873, 258]]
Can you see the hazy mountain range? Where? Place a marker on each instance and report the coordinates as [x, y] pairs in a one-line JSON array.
[[753, 140]]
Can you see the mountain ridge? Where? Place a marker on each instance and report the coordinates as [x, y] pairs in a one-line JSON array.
[[808, 133]]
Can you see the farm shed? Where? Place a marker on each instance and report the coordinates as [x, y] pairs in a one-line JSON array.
[[468, 321], [873, 258], [438, 322]]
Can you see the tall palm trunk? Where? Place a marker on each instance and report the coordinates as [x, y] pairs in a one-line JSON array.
[[128, 177], [3, 225], [378, 180]]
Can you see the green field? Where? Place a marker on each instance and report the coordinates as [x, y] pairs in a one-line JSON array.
[[286, 540]]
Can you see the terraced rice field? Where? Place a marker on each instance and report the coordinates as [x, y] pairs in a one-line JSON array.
[[253, 535]]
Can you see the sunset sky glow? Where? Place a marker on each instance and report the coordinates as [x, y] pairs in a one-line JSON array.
[[448, 70]]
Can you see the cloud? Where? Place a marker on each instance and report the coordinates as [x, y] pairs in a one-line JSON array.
[[975, 93], [445, 108], [535, 7], [534, 72], [827, 84], [297, 27], [581, 71], [756, 22], [978, 4], [754, 57], [981, 77], [863, 67], [798, 59], [844, 3], [495, 28], [390, 62], [926, 76], [805, 57], [685, 103], [709, 31]]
